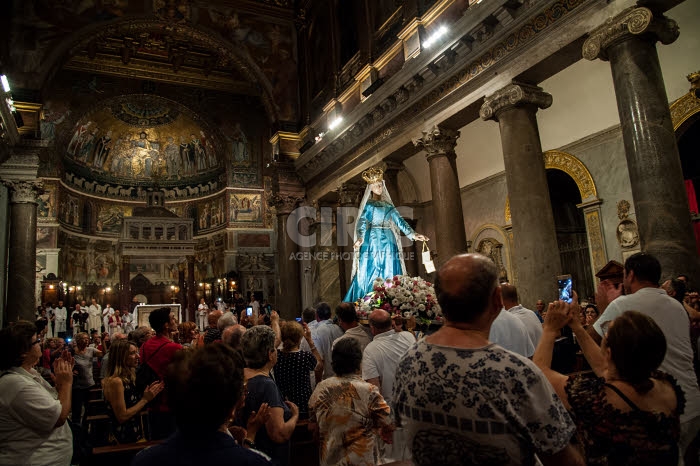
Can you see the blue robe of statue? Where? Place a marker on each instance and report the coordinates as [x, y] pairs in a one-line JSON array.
[[379, 253]]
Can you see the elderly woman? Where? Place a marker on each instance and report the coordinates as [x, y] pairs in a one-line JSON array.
[[119, 389], [349, 411], [33, 427], [293, 366], [260, 357], [202, 414], [627, 412], [84, 379]]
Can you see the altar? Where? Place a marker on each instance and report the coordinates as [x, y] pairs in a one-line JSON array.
[[142, 311]]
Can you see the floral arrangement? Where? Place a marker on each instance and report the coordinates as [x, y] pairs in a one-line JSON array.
[[402, 295]]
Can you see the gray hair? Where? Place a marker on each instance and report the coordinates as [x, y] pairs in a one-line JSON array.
[[257, 343], [226, 320]]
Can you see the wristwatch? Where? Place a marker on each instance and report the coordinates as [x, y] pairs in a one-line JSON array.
[[248, 443]]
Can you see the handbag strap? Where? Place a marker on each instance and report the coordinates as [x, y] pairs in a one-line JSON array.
[[623, 396]]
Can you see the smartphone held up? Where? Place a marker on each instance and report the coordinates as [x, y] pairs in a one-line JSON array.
[[565, 286]]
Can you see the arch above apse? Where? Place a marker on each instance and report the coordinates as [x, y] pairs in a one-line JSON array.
[[572, 166], [686, 107], [238, 56]]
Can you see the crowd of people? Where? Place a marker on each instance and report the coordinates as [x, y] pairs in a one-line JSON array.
[[485, 388]]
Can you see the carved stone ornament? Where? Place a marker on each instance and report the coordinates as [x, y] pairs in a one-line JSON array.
[[349, 194], [513, 95], [623, 208], [24, 192], [627, 234], [631, 22], [285, 203], [438, 141]]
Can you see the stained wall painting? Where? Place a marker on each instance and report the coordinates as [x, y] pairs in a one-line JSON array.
[[110, 218], [246, 209], [46, 237], [211, 213], [143, 138], [53, 115], [70, 210], [47, 205], [84, 261]]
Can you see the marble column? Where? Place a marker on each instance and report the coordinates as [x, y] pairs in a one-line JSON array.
[[391, 179], [181, 298], [628, 41], [191, 292], [125, 282], [450, 237], [21, 262], [349, 197], [289, 285], [536, 253]]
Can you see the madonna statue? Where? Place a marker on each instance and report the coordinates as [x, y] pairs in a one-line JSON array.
[[377, 238]]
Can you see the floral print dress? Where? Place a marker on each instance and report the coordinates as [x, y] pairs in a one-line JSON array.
[[349, 413]]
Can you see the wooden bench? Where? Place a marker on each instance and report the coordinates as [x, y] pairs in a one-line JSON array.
[[117, 455]]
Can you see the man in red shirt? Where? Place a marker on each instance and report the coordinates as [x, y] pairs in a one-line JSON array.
[[158, 352]]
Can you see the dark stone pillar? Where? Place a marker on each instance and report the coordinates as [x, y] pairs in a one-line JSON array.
[[289, 284], [124, 282], [536, 252], [21, 261], [181, 296], [191, 291], [349, 196], [391, 179], [450, 238], [661, 205]]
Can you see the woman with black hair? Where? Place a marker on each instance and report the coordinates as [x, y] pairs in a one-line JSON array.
[[627, 412]]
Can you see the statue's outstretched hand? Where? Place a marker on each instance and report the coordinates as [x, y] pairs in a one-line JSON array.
[[358, 243], [418, 237]]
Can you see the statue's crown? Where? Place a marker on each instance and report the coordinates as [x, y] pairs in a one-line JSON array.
[[373, 175]]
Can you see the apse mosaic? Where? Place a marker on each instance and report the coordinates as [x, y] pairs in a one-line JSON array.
[[142, 138]]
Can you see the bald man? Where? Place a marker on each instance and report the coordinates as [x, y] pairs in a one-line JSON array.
[[458, 395]]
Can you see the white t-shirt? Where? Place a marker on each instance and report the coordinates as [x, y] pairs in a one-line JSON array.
[[382, 356], [203, 308], [532, 323], [29, 409], [673, 320], [510, 333]]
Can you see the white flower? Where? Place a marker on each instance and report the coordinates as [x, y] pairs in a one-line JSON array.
[[407, 315], [421, 307], [395, 302]]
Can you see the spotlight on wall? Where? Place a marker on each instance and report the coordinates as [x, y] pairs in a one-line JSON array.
[[5, 83], [441, 31], [334, 124]]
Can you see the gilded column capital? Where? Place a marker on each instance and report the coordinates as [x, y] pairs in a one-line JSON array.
[[632, 22], [285, 203], [513, 95], [24, 191], [438, 142]]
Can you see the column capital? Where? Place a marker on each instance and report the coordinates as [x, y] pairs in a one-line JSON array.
[[350, 193], [24, 191], [438, 142], [634, 21], [285, 203], [514, 95]]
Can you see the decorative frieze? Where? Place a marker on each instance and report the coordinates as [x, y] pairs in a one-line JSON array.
[[631, 22], [515, 94], [285, 203]]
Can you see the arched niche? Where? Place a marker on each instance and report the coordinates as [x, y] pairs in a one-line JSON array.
[[590, 203], [493, 241]]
